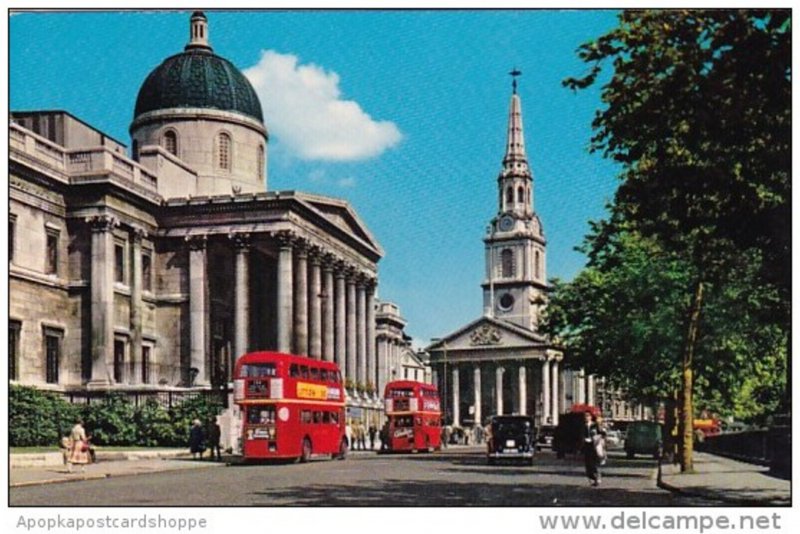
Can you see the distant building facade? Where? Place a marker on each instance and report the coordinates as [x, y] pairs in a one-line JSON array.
[[156, 271]]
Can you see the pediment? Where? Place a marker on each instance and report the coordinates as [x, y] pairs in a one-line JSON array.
[[339, 213], [489, 333]]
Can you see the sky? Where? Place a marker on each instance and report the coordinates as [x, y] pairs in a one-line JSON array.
[[401, 113]]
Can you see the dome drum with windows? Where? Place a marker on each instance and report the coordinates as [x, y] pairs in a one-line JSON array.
[[198, 108]]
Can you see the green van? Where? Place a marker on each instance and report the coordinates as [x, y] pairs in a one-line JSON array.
[[644, 437]]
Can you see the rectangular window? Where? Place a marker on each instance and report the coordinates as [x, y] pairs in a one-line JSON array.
[[52, 351], [119, 361], [14, 328], [147, 280], [146, 365], [12, 236], [51, 258], [119, 263]]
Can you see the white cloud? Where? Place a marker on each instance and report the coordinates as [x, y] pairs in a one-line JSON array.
[[304, 110]]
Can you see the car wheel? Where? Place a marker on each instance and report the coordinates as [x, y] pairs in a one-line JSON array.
[[305, 454]]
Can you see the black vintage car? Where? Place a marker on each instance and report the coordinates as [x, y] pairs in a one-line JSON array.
[[511, 437]]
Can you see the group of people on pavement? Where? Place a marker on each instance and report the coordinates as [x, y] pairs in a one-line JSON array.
[[201, 438], [356, 433]]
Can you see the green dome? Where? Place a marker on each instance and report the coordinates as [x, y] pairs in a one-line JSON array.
[[198, 78]]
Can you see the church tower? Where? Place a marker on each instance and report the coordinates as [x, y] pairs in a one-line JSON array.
[[515, 284]]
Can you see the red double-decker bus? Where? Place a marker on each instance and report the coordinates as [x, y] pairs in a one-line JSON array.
[[292, 406], [414, 416]]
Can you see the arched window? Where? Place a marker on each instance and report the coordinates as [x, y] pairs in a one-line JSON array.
[[520, 195], [510, 195], [260, 160], [135, 150], [507, 262], [224, 151], [170, 142]]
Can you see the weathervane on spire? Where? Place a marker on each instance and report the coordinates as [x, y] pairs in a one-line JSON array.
[[514, 73]]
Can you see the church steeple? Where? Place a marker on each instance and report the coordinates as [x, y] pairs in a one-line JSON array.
[[515, 180]]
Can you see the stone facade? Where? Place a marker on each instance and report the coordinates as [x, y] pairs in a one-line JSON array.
[[156, 271]]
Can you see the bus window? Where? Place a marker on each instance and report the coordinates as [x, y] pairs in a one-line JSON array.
[[323, 375], [335, 418], [303, 371], [338, 377], [261, 415], [326, 418], [305, 416], [258, 369], [294, 371], [314, 373], [317, 417]]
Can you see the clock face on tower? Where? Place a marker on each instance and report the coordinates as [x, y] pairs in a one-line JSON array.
[[506, 223]]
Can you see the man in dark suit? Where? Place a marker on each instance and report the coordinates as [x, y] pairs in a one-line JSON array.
[[592, 432]]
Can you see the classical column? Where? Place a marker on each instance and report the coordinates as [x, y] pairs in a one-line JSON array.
[[372, 364], [361, 330], [198, 309], [301, 298], [102, 291], [340, 319], [351, 328], [523, 391], [241, 242], [545, 391], [315, 305], [328, 292], [580, 398], [476, 384], [590, 389], [555, 396], [285, 290], [135, 374], [380, 355], [498, 378], [455, 397]]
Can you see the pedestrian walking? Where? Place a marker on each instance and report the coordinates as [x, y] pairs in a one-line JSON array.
[[384, 436], [348, 434], [593, 448], [214, 437], [372, 432], [79, 453], [196, 438], [362, 436]]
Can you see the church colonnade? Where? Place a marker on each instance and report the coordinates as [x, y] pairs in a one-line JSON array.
[[475, 390]]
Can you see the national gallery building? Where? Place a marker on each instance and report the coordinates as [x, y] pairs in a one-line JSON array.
[[154, 270]]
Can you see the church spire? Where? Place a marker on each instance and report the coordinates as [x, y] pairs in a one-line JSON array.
[[515, 160]]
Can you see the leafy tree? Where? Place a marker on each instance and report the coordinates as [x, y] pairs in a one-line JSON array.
[[698, 113]]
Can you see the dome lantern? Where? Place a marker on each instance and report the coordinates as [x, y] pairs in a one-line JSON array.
[[198, 32]]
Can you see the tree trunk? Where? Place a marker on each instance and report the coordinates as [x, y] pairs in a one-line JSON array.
[[687, 379]]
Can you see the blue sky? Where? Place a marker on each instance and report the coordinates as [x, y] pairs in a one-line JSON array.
[[421, 96]]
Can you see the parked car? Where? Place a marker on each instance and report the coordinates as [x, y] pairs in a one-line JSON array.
[[544, 438], [644, 437], [568, 436], [512, 437], [613, 439]]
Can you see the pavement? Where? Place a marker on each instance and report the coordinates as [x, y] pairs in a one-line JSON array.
[[727, 480], [33, 469]]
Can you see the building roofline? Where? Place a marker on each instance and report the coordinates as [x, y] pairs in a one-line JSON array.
[[65, 112]]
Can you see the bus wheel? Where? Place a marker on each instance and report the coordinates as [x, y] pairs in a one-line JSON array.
[[342, 450], [305, 455]]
